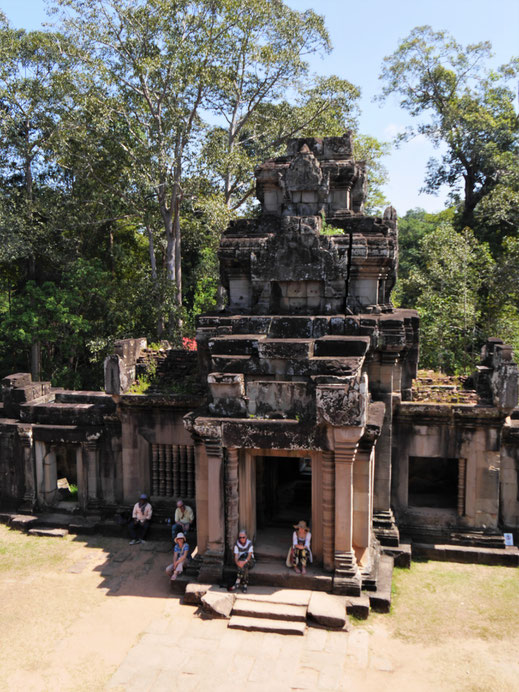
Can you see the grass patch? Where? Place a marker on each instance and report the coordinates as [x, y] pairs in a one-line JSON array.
[[435, 601], [30, 554]]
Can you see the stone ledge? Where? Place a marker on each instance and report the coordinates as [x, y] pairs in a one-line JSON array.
[[506, 557]]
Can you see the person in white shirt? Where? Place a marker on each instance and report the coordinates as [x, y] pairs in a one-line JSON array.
[[244, 561], [184, 517], [140, 521]]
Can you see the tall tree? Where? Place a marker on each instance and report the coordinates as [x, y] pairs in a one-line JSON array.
[[163, 66], [463, 104], [35, 94], [446, 286]]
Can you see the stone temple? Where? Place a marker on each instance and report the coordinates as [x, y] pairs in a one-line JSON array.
[[301, 402]]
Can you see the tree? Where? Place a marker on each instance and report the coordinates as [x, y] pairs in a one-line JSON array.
[[258, 129], [467, 107], [35, 93], [447, 288], [160, 67]]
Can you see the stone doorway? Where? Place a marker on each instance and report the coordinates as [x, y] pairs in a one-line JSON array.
[[283, 497], [57, 477], [284, 491]]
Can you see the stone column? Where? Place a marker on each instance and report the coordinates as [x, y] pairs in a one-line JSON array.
[[362, 500], [347, 579], [25, 438], [247, 501], [383, 521], [213, 558], [231, 501], [91, 459], [328, 516], [201, 494]]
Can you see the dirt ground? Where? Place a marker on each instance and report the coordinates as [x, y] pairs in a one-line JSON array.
[[73, 609]]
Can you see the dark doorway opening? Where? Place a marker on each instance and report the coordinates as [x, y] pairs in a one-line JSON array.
[[66, 469], [284, 491], [433, 482]]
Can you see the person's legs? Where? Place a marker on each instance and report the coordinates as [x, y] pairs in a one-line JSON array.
[[304, 560], [297, 559], [245, 578], [132, 530], [144, 529]]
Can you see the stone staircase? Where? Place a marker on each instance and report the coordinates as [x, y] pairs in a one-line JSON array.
[[283, 611], [274, 609]]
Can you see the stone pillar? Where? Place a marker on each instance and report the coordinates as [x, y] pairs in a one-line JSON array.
[[362, 500], [383, 522], [347, 579], [91, 470], [213, 558], [25, 438], [231, 501], [201, 494], [328, 516], [50, 475], [247, 501]]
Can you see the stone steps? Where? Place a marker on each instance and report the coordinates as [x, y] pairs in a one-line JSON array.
[[271, 594], [254, 624], [262, 609], [279, 575]]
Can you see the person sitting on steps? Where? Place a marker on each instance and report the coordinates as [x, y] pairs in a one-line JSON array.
[[140, 521], [180, 555], [244, 561], [300, 551], [184, 517]]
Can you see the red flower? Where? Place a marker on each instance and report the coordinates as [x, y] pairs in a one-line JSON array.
[[189, 344]]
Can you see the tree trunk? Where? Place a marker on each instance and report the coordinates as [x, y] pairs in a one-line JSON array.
[[153, 265], [178, 256], [151, 247]]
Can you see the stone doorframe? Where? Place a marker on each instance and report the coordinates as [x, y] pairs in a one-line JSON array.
[[242, 469], [46, 471]]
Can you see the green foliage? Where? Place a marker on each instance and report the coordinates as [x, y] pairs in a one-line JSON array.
[[465, 105]]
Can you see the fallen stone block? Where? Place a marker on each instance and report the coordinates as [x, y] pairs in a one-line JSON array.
[[218, 604], [358, 606], [50, 533], [194, 592], [327, 610], [22, 522]]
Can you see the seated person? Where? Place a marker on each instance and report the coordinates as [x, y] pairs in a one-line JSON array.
[[244, 561], [140, 521], [180, 555], [300, 552], [184, 517]]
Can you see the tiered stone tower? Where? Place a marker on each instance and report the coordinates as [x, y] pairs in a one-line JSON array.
[[306, 360]]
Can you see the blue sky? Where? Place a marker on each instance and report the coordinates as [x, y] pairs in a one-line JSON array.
[[363, 33]]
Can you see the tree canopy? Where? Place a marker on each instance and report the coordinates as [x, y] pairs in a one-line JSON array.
[[462, 103]]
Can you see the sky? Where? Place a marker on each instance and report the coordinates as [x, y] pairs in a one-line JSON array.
[[363, 33]]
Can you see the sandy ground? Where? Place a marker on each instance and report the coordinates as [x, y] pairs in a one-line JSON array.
[[93, 614]]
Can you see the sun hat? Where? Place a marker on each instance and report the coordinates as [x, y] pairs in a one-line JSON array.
[[179, 535], [301, 525]]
